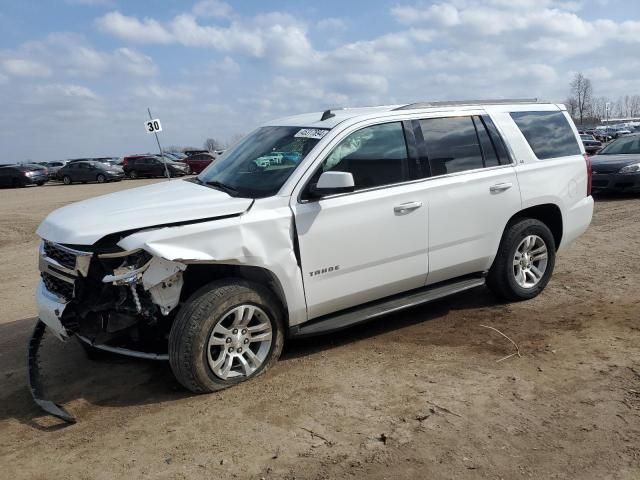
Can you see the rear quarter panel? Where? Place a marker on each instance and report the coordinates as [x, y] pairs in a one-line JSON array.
[[560, 181]]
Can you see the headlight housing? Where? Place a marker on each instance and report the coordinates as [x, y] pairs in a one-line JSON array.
[[633, 168]]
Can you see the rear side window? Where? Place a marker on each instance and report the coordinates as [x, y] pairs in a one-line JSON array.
[[375, 156], [548, 133], [452, 145]]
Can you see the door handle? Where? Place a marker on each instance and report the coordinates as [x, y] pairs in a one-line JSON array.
[[500, 187], [406, 207]]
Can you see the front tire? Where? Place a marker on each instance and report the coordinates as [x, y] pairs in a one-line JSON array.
[[227, 332], [66, 180], [524, 262], [101, 178], [133, 174]]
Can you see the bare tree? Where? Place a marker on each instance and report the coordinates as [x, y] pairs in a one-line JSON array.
[[582, 91], [233, 139], [572, 106], [212, 144], [599, 108]]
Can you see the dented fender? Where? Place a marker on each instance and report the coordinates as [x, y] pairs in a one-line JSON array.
[[262, 237]]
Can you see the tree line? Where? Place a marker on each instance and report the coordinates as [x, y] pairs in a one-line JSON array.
[[585, 108]]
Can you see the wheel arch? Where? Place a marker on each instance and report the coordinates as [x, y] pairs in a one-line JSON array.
[[197, 275], [547, 213]]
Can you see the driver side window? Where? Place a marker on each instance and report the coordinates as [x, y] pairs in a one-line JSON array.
[[375, 156]]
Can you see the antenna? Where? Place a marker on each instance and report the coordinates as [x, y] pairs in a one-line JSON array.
[[327, 115]]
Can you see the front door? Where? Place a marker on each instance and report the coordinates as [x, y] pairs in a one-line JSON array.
[[368, 244]]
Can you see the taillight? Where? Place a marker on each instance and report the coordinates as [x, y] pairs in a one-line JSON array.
[[587, 159]]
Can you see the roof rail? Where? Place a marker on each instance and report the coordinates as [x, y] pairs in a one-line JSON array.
[[457, 103]]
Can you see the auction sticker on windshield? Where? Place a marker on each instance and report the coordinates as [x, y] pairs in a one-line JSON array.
[[316, 133]]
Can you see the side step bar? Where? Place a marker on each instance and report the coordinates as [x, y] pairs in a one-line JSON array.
[[372, 310]]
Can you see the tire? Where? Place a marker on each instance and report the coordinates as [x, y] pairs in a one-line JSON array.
[[66, 180], [206, 314], [505, 279], [133, 174], [101, 178], [40, 184]]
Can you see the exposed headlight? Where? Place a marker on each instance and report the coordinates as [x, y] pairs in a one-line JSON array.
[[633, 168]]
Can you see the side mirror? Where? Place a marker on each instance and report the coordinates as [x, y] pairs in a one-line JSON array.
[[332, 183]]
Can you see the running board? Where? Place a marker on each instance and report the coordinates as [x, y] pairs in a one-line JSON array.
[[370, 311]]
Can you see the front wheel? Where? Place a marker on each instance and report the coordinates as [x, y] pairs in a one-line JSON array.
[[66, 180], [133, 174], [524, 262], [101, 178], [227, 332]]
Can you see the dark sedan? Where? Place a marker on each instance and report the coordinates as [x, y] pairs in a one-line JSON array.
[[591, 145], [616, 168], [22, 175], [89, 172], [153, 166]]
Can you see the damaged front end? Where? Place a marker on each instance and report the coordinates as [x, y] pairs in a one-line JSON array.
[[118, 301]]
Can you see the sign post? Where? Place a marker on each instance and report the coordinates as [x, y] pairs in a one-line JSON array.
[[154, 126]]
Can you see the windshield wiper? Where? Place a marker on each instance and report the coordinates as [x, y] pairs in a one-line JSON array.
[[221, 186]]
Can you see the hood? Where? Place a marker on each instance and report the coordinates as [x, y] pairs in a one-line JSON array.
[[612, 163], [86, 222]]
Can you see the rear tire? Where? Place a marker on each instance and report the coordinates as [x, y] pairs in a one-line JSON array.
[[222, 317], [524, 262], [133, 174]]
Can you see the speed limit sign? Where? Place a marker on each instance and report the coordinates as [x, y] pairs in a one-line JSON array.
[[153, 126]]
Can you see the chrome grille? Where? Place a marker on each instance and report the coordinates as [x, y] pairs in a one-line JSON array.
[[62, 256], [58, 286]]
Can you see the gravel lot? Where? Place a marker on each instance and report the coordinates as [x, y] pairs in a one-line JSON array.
[[413, 395]]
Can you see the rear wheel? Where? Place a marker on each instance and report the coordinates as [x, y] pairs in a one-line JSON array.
[[101, 178], [227, 332], [66, 180], [133, 174], [524, 262]]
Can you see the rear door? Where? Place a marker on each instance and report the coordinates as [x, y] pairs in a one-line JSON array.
[[370, 243], [472, 191]]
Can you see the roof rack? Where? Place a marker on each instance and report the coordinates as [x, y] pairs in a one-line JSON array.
[[457, 103]]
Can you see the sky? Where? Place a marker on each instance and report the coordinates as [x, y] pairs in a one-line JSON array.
[[77, 76]]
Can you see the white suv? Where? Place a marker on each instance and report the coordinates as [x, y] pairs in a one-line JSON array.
[[367, 211]]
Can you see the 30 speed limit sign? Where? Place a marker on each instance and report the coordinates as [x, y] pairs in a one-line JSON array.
[[153, 126]]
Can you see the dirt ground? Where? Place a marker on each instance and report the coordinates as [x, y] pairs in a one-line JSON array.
[[414, 395]]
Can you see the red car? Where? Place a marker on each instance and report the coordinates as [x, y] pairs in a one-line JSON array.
[[198, 162]]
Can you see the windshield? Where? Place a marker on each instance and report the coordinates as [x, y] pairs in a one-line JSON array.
[[259, 165], [622, 146]]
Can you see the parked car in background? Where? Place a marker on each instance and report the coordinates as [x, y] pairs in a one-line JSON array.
[[198, 162], [22, 175], [616, 168], [89, 171], [176, 156], [188, 153], [591, 145], [54, 167], [153, 166]]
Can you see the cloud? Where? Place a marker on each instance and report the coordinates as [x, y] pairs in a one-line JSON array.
[[71, 55], [65, 90], [332, 24], [212, 9], [130, 28], [22, 67]]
